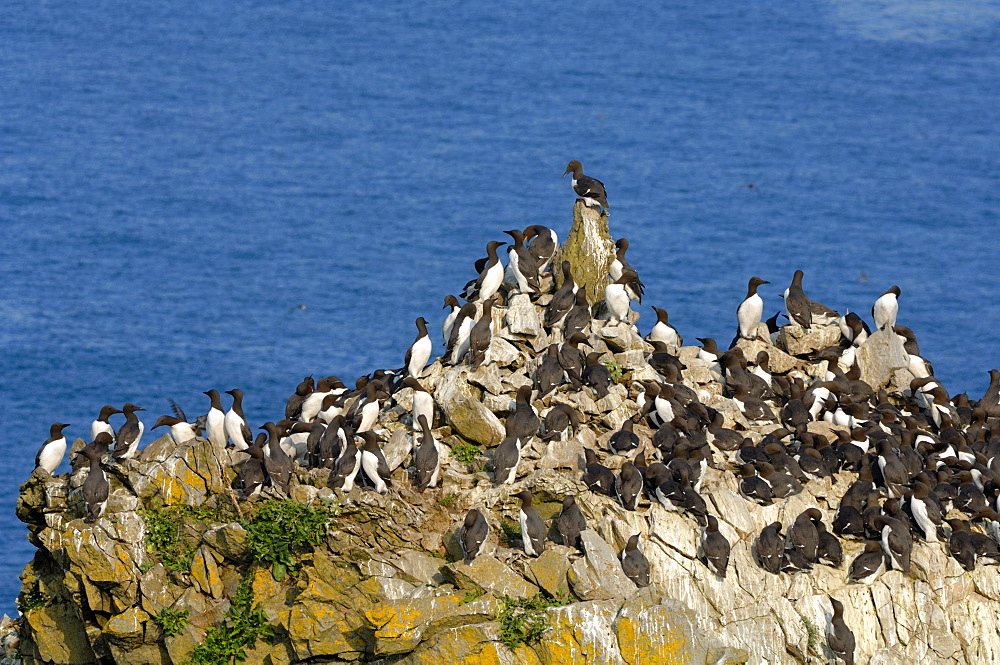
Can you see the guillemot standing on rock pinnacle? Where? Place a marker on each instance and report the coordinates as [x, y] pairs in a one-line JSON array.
[[532, 527], [50, 455], [886, 308], [635, 565], [589, 189], [420, 351], [473, 534], [129, 434], [96, 488], [237, 429], [101, 424]]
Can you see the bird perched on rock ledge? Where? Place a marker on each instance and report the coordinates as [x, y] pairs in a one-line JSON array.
[[591, 190]]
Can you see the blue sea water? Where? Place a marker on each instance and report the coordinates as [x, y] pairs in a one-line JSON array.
[[207, 194]]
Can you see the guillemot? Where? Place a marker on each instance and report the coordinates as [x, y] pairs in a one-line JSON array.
[[635, 565], [591, 190], [50, 455]]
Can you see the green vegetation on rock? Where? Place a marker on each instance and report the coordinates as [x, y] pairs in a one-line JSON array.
[[32, 600], [277, 528], [245, 622], [171, 621], [523, 620], [466, 453], [614, 369]]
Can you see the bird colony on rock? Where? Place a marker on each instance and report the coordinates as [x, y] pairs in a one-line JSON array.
[[673, 421]]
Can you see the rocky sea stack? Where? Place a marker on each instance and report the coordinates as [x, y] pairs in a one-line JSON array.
[[740, 471]]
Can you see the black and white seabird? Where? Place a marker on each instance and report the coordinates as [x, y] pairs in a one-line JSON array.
[[293, 406], [127, 441], [215, 420], [803, 536], [96, 488], [252, 475], [524, 422], [420, 351], [559, 421], [51, 453], [423, 401], [278, 464], [771, 547], [570, 522], [542, 242], [596, 375], [312, 405], [886, 308], [181, 431], [373, 462], [750, 310], [628, 485], [797, 303], [715, 547], [427, 458], [371, 406], [597, 477], [662, 331], [346, 469], [620, 266], [579, 316], [473, 534], [452, 305], [550, 373], [562, 300], [101, 424], [532, 527], [506, 460], [624, 440], [619, 294], [839, 636], [482, 334], [896, 541], [589, 189], [868, 565], [237, 429], [635, 565], [522, 264], [491, 276], [572, 360], [458, 343]]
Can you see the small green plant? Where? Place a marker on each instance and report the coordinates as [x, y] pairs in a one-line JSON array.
[[523, 620], [280, 527], [163, 537], [171, 621], [32, 600], [466, 453], [245, 622], [812, 631], [510, 531], [448, 500], [614, 369], [471, 597]]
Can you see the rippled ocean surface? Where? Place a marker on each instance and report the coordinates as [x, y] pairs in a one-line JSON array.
[[218, 195]]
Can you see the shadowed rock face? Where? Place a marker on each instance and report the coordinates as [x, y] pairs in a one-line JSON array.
[[385, 581]]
